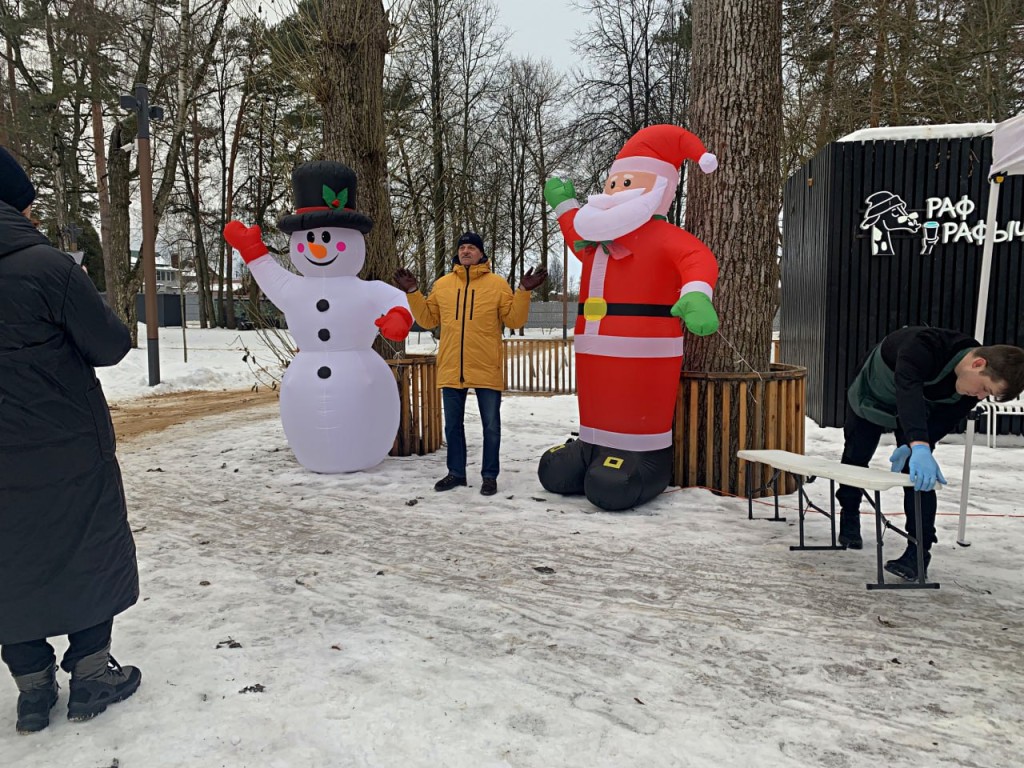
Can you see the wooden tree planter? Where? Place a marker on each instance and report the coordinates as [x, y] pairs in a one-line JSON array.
[[718, 414], [419, 428]]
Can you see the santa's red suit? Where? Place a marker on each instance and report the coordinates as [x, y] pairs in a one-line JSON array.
[[629, 349]]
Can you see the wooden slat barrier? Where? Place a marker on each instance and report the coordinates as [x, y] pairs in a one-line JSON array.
[[540, 366], [419, 428], [718, 414]]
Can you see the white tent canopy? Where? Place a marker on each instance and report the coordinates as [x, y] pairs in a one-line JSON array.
[[1007, 160]]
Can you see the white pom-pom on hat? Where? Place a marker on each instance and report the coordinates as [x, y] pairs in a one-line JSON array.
[[708, 163]]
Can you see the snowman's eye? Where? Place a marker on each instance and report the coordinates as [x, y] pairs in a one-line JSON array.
[[310, 237], [325, 236]]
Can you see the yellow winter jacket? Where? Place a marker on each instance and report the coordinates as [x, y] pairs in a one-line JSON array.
[[471, 310]]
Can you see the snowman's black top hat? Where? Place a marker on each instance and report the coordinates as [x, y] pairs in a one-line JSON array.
[[325, 196]]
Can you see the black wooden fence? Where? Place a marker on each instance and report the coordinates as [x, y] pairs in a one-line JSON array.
[[842, 287]]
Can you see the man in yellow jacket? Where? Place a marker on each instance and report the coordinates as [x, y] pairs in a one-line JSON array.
[[471, 304]]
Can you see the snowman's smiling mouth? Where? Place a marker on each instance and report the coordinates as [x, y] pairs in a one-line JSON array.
[[324, 263]]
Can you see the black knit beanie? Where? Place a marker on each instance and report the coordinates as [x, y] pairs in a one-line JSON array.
[[472, 238], [15, 187]]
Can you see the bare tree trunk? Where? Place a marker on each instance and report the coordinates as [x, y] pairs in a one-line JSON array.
[[829, 83], [437, 150], [9, 111], [736, 109], [123, 279], [877, 79], [202, 258], [352, 98], [229, 197], [102, 193]]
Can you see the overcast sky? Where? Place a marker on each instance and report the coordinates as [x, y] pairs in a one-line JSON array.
[[542, 29]]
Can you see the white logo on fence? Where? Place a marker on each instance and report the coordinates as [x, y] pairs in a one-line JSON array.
[[887, 212]]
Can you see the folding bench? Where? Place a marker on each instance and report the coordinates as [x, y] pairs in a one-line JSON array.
[[805, 469]]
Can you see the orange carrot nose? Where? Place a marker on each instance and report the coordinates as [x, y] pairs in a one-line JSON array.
[[318, 251]]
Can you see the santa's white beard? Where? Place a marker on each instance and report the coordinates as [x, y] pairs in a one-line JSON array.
[[606, 217]]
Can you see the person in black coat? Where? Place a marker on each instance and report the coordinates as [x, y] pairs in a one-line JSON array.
[[67, 557], [920, 383]]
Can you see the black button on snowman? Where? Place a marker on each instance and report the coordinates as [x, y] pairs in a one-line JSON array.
[[339, 399]]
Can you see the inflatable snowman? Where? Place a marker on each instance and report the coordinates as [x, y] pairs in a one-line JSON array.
[[339, 399]]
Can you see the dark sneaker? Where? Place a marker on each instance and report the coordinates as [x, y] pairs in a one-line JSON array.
[[448, 482], [38, 694], [98, 681], [488, 487], [905, 566], [849, 530]]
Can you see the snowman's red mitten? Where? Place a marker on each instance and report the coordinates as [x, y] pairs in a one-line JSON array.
[[248, 241], [395, 324]]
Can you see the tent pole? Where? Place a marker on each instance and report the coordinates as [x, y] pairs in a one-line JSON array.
[[986, 261], [979, 334], [965, 483]]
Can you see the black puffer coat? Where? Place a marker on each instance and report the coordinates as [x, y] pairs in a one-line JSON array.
[[67, 558]]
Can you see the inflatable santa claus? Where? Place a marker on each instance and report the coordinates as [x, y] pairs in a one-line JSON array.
[[641, 274]]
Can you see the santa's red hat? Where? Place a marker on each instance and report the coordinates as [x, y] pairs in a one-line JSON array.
[[661, 150]]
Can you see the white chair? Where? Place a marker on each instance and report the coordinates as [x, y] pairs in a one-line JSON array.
[[994, 410]]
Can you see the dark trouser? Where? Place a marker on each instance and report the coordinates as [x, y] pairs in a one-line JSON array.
[[37, 655], [861, 442], [489, 403]]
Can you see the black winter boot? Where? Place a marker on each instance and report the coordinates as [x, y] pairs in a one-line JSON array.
[[849, 529], [38, 694], [448, 482], [98, 681], [906, 565]]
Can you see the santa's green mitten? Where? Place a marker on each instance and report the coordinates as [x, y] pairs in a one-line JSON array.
[[697, 312], [557, 191]]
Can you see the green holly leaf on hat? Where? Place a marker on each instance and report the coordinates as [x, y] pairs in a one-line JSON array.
[[334, 199]]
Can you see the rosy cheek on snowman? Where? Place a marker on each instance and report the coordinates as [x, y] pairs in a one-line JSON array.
[[316, 252]]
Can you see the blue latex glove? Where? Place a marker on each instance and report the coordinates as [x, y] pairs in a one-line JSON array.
[[899, 457], [924, 471]]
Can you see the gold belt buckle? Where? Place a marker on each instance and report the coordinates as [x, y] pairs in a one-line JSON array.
[[595, 308]]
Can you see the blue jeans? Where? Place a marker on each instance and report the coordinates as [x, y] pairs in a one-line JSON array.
[[489, 403]]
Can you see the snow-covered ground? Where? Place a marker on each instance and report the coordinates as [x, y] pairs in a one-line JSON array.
[[294, 620]]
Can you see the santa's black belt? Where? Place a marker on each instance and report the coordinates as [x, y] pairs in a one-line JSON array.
[[595, 309]]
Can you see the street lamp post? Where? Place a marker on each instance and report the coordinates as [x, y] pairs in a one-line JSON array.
[[140, 103]]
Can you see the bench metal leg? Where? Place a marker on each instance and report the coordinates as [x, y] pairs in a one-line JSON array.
[[772, 484], [832, 511], [750, 490], [804, 503], [880, 521], [921, 574]]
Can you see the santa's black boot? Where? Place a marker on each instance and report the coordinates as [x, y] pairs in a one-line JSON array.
[[563, 467], [98, 681], [849, 529], [36, 697], [618, 480]]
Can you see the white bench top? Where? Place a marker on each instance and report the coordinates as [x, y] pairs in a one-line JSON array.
[[858, 477]]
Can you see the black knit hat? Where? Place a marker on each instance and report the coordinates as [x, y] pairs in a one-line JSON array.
[[325, 196], [15, 187], [472, 238]]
